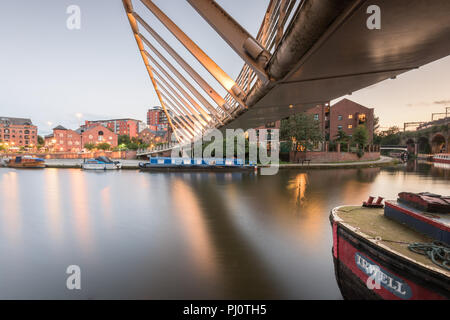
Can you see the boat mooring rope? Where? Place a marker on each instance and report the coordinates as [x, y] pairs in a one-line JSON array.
[[437, 251]]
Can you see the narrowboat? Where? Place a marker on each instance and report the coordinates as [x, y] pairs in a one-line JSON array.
[[401, 252], [28, 162], [101, 163], [158, 164], [441, 158]]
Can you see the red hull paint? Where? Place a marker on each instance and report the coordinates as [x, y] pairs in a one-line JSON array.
[[441, 160], [347, 253]]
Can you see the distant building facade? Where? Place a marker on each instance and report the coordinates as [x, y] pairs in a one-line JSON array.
[[150, 136], [129, 127], [157, 119], [66, 140], [18, 132], [344, 115]]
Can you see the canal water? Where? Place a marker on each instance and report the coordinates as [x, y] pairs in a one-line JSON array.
[[180, 235]]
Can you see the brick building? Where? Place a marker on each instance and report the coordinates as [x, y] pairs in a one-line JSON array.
[[150, 136], [129, 127], [344, 115], [18, 132], [66, 140], [157, 119], [63, 140]]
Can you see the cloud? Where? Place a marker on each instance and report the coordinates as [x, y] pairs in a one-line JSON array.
[[440, 102], [425, 104]]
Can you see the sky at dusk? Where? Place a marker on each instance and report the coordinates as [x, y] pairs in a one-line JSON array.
[[49, 73]]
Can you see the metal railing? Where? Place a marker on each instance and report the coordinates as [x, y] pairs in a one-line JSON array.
[[278, 16]]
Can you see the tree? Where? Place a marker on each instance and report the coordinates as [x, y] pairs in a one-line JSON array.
[[301, 128], [40, 140], [361, 136], [2, 147], [341, 137], [123, 139], [89, 146], [104, 146], [391, 136]]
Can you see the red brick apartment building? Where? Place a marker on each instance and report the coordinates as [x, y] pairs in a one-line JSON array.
[[18, 132], [66, 140], [157, 119], [345, 115], [151, 136], [129, 127]]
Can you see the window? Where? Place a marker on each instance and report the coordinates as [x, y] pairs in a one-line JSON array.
[[362, 118], [339, 127], [350, 126], [350, 116], [339, 117], [316, 117]]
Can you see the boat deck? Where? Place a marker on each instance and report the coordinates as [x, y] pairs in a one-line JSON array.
[[371, 224]]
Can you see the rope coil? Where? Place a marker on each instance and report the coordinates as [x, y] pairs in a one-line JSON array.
[[438, 252]]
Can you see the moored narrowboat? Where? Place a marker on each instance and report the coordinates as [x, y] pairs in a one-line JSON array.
[[399, 253], [158, 164], [441, 158], [26, 162]]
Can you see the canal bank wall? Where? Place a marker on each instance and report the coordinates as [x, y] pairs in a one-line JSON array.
[[382, 161], [134, 164], [329, 157]]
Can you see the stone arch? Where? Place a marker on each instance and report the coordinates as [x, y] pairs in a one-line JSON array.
[[438, 143], [424, 145], [411, 145]]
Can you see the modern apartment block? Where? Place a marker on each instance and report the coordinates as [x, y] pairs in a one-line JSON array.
[[129, 127], [18, 132], [157, 119]]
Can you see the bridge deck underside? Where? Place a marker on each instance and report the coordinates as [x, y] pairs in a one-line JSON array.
[[349, 57]]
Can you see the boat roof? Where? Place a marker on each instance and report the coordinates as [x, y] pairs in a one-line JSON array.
[[371, 224]]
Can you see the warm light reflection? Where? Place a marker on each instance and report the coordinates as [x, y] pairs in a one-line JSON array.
[[80, 208], [11, 220], [53, 202], [298, 185], [190, 213]]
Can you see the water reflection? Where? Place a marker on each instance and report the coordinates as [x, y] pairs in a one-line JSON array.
[[53, 204], [11, 213], [80, 208], [181, 235]]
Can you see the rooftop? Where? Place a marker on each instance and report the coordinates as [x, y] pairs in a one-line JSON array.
[[16, 121]]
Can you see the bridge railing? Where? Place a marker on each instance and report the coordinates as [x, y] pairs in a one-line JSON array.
[[278, 16]]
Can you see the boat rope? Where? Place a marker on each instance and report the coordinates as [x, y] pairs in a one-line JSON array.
[[437, 251]]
